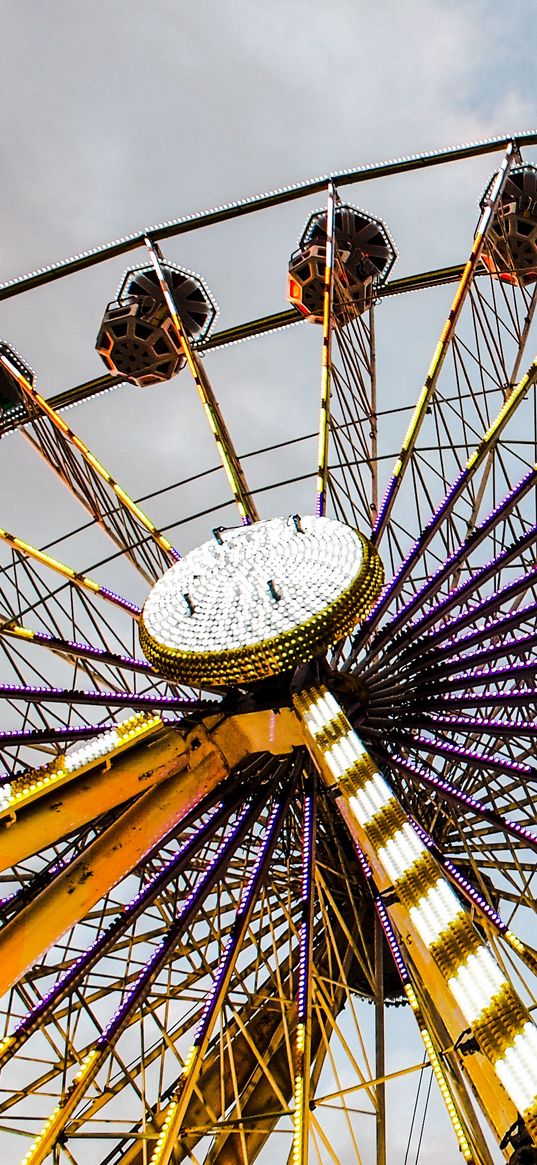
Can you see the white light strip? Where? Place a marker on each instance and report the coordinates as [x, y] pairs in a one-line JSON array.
[[331, 705], [90, 751], [336, 761], [401, 852], [476, 983], [369, 800], [518, 1068], [435, 910]]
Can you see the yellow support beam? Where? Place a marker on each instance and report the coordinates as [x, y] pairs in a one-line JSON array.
[[324, 416], [74, 576], [182, 767], [226, 449]]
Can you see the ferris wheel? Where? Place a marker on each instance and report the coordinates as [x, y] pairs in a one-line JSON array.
[[257, 794]]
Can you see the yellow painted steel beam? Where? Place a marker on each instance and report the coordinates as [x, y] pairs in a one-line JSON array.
[[226, 449], [324, 415], [73, 576], [437, 936], [44, 406], [187, 767]]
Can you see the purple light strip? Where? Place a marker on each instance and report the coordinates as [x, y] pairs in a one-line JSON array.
[[84, 651], [466, 589], [81, 966], [306, 906], [468, 546], [51, 735], [487, 606], [454, 664], [137, 991], [381, 911], [498, 627], [448, 791], [391, 940], [192, 903], [121, 602], [519, 697], [468, 890], [37, 695], [475, 679], [385, 506], [494, 727], [471, 756], [462, 592]]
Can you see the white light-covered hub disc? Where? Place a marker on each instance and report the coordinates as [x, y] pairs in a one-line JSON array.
[[262, 600]]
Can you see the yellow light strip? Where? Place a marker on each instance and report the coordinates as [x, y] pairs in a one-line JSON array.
[[511, 404], [324, 417], [81, 580], [447, 1095], [93, 753], [446, 336], [501, 1024], [228, 455], [76, 577], [299, 1155], [62, 427], [48, 1136]]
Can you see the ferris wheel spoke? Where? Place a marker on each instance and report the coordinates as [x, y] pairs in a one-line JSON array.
[[452, 565], [472, 724], [465, 592], [111, 507], [444, 1064], [140, 700], [304, 993], [489, 915], [176, 1109], [401, 862], [226, 449], [393, 590], [481, 810], [448, 662], [77, 578], [464, 680], [448, 332], [471, 756], [76, 650]]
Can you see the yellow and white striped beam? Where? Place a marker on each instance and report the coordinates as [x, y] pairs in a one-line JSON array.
[[437, 934]]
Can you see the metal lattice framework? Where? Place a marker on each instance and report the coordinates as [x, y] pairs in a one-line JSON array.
[[210, 897]]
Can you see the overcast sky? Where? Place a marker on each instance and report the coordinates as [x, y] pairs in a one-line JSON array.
[[118, 115]]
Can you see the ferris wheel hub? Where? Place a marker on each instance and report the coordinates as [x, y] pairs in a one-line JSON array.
[[259, 601]]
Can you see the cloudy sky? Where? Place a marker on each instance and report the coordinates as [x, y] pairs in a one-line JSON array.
[[119, 115]]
